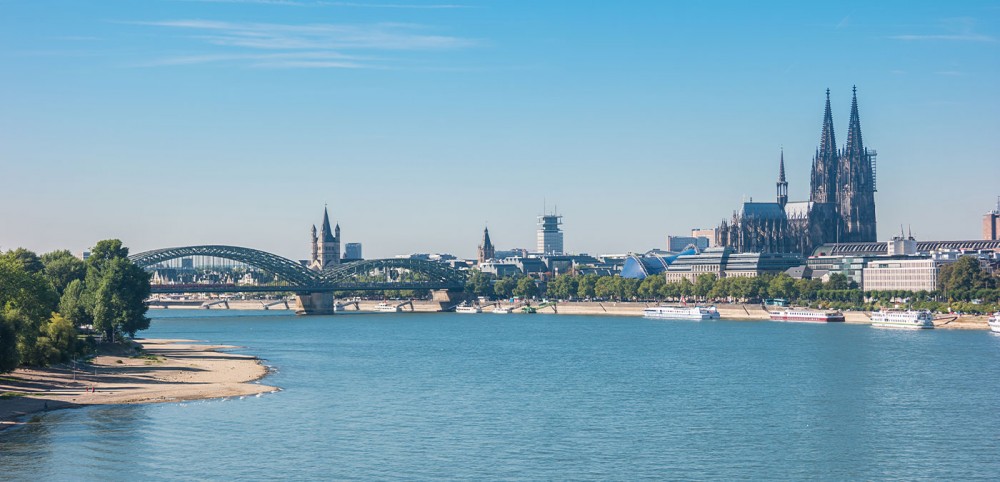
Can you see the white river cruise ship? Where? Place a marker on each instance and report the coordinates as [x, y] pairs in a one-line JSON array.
[[994, 322], [907, 319], [682, 312], [805, 315]]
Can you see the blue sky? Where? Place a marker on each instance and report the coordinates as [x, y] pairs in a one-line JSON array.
[[180, 122]]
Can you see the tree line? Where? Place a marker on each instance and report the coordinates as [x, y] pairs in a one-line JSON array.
[[962, 286], [46, 300]]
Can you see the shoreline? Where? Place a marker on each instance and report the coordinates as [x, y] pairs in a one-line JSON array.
[[732, 312], [164, 371]]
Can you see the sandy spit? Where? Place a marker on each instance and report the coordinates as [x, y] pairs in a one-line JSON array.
[[169, 371]]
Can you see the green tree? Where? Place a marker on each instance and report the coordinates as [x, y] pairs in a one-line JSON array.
[[685, 287], [586, 287], [74, 304], [27, 260], [964, 275], [504, 287], [651, 287], [837, 281], [526, 288], [782, 286], [119, 300], [27, 300], [563, 287], [57, 342], [480, 284], [605, 287], [105, 251], [722, 288], [62, 268], [703, 284]]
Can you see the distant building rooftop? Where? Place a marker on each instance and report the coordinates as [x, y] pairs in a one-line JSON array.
[[881, 248]]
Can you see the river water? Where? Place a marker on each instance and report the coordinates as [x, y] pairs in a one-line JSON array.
[[454, 396]]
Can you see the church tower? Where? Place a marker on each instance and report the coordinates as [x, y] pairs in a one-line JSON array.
[[326, 249], [856, 183], [823, 187], [486, 249], [315, 247], [782, 183]]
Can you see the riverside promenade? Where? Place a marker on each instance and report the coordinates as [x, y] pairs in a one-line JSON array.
[[747, 312]]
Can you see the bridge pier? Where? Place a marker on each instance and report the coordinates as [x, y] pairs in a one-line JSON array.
[[448, 299], [315, 303]]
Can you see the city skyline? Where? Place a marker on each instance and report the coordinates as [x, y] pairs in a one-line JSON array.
[[171, 123]]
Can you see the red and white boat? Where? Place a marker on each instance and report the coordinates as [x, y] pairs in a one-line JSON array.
[[804, 315]]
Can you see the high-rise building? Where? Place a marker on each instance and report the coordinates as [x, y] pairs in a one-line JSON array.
[[550, 236], [352, 252], [991, 223], [486, 249], [325, 249], [704, 233], [841, 206]]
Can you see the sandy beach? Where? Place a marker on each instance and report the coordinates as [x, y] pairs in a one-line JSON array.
[[166, 371]]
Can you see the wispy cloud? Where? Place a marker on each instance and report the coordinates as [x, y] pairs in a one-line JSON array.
[[959, 37], [302, 46], [321, 3], [959, 30]]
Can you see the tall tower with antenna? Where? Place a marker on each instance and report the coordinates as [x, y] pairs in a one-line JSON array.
[[550, 235], [991, 223]]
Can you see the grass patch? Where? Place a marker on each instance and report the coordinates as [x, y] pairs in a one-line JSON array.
[[150, 359], [10, 395]]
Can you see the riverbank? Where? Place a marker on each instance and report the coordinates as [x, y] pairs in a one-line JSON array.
[[739, 312], [165, 371], [748, 312]]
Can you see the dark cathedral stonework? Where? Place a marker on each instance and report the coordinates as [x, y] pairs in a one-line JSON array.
[[841, 206]]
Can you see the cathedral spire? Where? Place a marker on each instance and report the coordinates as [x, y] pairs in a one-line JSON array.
[[781, 167], [854, 143], [823, 186], [828, 141], [782, 184]]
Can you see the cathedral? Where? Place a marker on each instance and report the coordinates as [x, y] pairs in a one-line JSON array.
[[325, 250], [841, 205]]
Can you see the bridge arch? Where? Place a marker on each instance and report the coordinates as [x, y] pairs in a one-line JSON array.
[[439, 276], [284, 268]]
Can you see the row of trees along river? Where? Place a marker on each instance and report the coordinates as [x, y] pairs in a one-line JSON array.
[[47, 301], [962, 286]]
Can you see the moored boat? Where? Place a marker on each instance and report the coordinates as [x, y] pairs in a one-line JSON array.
[[500, 310], [805, 315], [463, 308], [905, 319], [682, 312], [994, 322], [384, 307]]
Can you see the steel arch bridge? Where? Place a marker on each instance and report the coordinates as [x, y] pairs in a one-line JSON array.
[[437, 275], [299, 279]]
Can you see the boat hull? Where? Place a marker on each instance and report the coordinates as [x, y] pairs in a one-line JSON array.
[[994, 323], [903, 320], [902, 326], [818, 318], [693, 314]]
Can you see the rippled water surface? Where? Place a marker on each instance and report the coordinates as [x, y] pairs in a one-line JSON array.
[[451, 396]]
